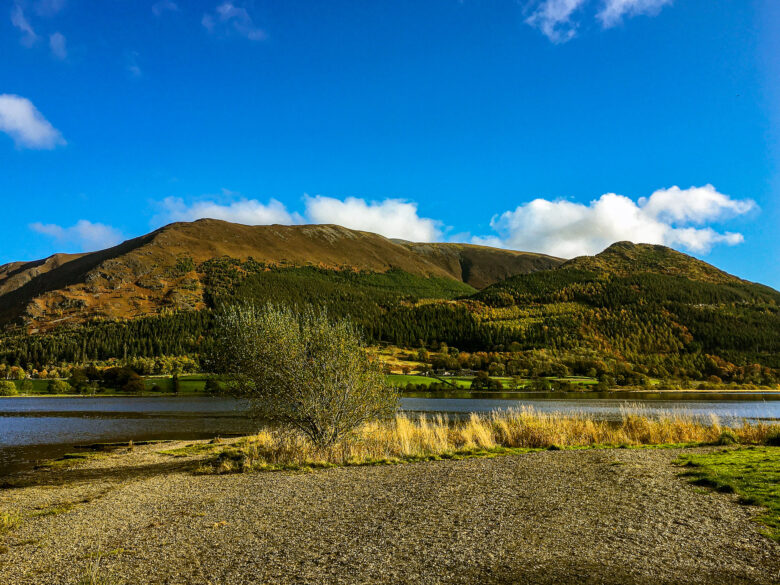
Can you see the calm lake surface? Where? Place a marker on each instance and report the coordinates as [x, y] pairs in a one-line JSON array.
[[33, 428]]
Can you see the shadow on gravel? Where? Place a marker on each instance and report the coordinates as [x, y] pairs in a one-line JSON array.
[[63, 477], [596, 575]]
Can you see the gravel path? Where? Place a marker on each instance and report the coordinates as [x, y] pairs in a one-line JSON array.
[[593, 516]]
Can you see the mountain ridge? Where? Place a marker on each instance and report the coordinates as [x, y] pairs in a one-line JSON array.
[[159, 271]]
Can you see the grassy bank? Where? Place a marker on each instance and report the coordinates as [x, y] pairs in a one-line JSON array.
[[406, 439], [752, 472]]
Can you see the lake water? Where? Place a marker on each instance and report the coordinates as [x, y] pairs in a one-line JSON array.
[[37, 428]]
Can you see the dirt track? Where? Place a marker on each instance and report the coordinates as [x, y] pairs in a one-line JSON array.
[[594, 516]]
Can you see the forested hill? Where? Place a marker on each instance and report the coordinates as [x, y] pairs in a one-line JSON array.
[[630, 312], [627, 258], [167, 269], [646, 305]]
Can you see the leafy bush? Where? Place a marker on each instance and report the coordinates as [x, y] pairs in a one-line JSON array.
[[58, 387], [727, 437], [212, 386], [8, 388], [134, 385], [773, 439], [301, 370]]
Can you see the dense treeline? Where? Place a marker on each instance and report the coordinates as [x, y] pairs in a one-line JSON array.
[[666, 325]]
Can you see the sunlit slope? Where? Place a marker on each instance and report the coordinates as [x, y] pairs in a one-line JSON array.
[[639, 302], [164, 271]]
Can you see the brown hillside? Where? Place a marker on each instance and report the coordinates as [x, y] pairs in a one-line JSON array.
[[156, 272], [481, 266]]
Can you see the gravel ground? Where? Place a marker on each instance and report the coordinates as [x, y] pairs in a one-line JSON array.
[[594, 516]]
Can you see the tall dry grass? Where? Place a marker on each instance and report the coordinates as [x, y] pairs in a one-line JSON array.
[[406, 438]]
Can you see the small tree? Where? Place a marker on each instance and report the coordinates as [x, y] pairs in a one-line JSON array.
[[301, 370], [58, 387], [78, 380], [8, 388]]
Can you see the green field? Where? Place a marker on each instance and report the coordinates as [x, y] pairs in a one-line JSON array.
[[195, 383], [188, 384], [752, 472], [401, 380]]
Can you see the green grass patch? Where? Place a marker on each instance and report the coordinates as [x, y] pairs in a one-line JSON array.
[[38, 386], [751, 472], [9, 521], [54, 510], [71, 459]]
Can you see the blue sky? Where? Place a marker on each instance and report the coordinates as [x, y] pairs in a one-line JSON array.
[[553, 125]]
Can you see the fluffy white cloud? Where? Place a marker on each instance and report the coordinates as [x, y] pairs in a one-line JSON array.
[[246, 211], [164, 6], [83, 235], [613, 11], [567, 229], [393, 218], [694, 205], [58, 46], [19, 20], [20, 119], [554, 19], [673, 217], [227, 17]]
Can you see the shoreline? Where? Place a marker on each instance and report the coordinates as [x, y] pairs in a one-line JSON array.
[[432, 393], [140, 516]]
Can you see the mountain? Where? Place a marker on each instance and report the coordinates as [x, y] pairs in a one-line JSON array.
[[627, 258], [167, 269], [661, 311], [628, 313]]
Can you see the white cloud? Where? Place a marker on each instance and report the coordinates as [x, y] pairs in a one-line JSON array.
[[228, 17], [567, 229], [48, 8], [246, 211], [19, 20], [673, 217], [694, 205], [554, 19], [24, 123], [84, 235], [613, 11], [58, 46], [164, 6], [393, 218]]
